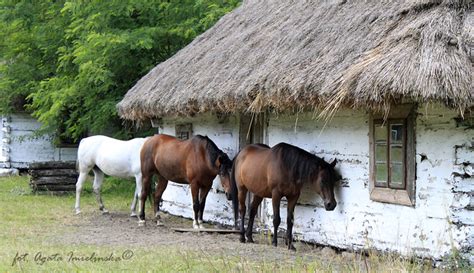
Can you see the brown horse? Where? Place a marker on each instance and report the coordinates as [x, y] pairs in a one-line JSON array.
[[196, 161], [274, 173]]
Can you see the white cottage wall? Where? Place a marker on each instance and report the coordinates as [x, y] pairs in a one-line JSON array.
[[24, 147], [442, 218], [4, 143], [427, 229]]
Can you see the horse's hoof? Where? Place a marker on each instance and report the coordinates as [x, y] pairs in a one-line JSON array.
[[250, 240], [291, 248], [195, 226], [78, 212], [274, 244], [133, 214], [141, 223], [242, 240], [159, 223], [104, 211]]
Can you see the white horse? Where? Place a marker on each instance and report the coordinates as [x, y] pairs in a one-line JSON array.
[[110, 156]]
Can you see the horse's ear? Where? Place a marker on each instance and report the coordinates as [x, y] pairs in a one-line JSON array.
[[333, 163], [218, 161]]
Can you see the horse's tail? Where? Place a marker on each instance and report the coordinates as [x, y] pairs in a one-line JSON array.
[[234, 192], [146, 154], [80, 151]]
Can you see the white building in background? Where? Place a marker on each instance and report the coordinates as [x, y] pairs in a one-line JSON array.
[[20, 146]]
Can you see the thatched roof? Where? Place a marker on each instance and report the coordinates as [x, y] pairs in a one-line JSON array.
[[286, 55]]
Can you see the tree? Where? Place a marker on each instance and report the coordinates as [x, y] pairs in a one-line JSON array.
[[72, 61]]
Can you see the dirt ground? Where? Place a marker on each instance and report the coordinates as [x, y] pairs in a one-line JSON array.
[[119, 229]]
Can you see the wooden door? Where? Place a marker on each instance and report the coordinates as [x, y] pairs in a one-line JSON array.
[[252, 130]]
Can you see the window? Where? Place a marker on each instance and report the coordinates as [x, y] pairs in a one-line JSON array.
[[184, 131], [392, 156], [390, 142]]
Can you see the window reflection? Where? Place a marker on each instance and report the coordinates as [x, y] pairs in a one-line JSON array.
[[396, 132]]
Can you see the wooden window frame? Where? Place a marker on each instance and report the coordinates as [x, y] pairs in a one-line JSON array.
[[404, 196], [388, 123], [181, 128]]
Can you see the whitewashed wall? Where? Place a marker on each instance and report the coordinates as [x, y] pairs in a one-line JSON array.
[[20, 147], [4, 140], [441, 219], [438, 222]]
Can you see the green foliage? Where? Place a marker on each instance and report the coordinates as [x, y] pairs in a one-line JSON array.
[[74, 60]]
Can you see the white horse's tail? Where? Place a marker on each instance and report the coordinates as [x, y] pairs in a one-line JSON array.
[[79, 154]]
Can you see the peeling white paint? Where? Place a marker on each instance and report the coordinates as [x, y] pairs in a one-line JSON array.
[[442, 218]]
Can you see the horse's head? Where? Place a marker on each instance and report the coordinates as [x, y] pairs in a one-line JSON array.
[[224, 164], [325, 181]]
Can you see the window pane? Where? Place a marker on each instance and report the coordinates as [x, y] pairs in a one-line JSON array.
[[396, 176], [183, 135], [396, 133], [396, 153], [184, 130], [381, 175], [380, 153], [380, 133]]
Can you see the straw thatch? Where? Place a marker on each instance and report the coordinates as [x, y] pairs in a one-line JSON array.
[[283, 55]]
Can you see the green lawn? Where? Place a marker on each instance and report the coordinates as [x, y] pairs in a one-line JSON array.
[[30, 224]]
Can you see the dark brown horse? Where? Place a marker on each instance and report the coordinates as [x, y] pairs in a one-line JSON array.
[[196, 162], [274, 173]]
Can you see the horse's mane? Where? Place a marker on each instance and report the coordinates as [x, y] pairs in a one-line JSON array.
[[214, 152], [302, 165], [262, 145]]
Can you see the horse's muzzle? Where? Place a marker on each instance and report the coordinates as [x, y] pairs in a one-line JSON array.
[[329, 206]]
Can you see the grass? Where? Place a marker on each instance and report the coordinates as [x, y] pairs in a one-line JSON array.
[[31, 222]]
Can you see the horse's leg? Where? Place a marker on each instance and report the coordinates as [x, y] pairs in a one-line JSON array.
[[276, 197], [242, 195], [253, 211], [195, 195], [289, 221], [202, 203], [98, 179], [79, 185], [161, 185], [146, 183], [133, 206], [138, 190]]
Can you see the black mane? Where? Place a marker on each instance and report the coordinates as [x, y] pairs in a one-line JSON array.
[[302, 165], [214, 152]]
